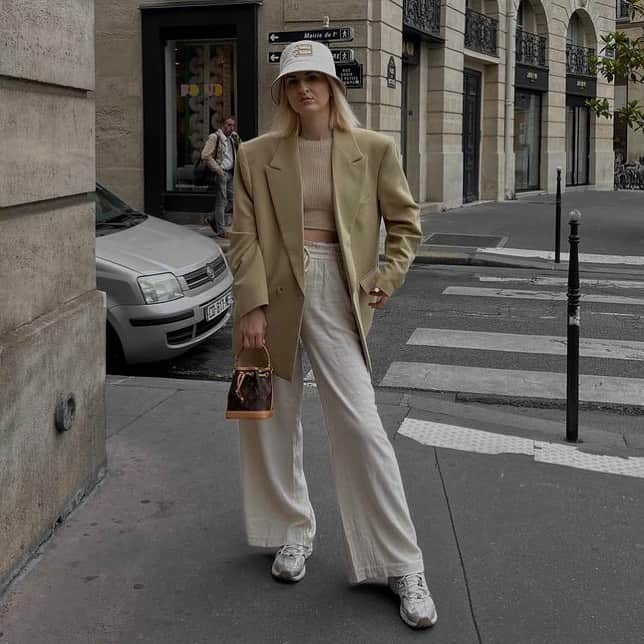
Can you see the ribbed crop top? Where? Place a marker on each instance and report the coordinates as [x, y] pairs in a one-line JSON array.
[[317, 183]]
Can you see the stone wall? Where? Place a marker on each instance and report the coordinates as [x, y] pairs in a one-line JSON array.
[[52, 318], [119, 99]]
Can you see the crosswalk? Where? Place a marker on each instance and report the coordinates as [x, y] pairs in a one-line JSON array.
[[465, 375]]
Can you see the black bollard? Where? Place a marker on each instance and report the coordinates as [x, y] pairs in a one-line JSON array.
[[558, 219], [574, 296]]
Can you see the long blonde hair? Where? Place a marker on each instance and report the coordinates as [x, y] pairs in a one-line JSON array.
[[287, 120]]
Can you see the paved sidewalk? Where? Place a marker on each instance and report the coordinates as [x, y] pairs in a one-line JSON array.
[[612, 226], [517, 552]]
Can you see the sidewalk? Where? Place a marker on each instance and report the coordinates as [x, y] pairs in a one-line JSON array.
[[517, 551], [611, 231], [520, 233]]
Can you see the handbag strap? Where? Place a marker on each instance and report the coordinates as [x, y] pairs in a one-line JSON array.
[[268, 357]]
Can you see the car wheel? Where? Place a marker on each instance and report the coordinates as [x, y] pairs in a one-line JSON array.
[[114, 357]]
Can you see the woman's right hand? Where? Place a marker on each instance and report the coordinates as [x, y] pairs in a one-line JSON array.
[[252, 329]]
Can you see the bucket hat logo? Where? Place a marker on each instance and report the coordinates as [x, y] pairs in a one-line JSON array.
[[302, 49]]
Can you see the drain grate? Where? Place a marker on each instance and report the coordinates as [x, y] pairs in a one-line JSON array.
[[473, 241]]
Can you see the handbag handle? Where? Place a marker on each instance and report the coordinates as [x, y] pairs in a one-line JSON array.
[[268, 357]]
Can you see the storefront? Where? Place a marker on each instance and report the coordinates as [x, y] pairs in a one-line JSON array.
[[531, 84], [578, 90], [194, 76]]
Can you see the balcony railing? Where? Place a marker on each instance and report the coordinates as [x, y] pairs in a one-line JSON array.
[[480, 32], [578, 60], [531, 49], [623, 10], [422, 16]]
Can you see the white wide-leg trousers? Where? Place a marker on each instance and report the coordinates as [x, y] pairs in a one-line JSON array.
[[379, 533]]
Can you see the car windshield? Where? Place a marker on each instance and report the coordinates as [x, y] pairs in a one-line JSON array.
[[109, 207]]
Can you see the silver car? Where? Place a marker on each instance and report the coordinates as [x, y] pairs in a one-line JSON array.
[[168, 288]]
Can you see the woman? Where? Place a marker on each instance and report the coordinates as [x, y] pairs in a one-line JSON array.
[[304, 253]]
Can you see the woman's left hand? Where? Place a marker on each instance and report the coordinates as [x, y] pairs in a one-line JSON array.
[[381, 298]]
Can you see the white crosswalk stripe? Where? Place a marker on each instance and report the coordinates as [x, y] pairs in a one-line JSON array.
[[546, 280], [519, 294], [589, 258], [491, 383], [518, 343], [512, 383]]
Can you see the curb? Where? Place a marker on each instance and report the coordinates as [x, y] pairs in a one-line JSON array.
[[470, 257], [546, 403]]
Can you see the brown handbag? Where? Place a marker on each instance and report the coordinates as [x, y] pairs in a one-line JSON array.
[[250, 396]]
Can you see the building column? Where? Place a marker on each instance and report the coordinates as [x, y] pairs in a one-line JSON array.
[[554, 112], [52, 327], [445, 111]]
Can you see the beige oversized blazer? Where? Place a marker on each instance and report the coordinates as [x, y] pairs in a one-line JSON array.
[[267, 249]]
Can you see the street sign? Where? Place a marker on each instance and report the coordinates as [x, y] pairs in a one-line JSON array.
[[391, 73], [350, 74], [343, 55], [339, 56], [323, 35]]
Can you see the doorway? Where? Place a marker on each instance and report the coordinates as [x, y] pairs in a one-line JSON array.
[[404, 114], [577, 145], [527, 140], [471, 134]]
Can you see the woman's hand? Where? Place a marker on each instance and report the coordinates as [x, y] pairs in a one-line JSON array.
[[381, 298], [252, 329]]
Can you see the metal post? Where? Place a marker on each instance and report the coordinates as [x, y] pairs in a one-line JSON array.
[[572, 393], [558, 219]]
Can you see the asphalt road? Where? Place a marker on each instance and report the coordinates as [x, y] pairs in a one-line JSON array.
[[422, 303]]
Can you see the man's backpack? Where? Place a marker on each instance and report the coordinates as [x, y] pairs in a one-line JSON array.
[[201, 173]]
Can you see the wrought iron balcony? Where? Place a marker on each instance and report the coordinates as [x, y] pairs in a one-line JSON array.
[[531, 49], [578, 60], [623, 10], [480, 32], [422, 17]]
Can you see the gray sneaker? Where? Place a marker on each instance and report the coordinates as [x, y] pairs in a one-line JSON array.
[[416, 604], [290, 562]]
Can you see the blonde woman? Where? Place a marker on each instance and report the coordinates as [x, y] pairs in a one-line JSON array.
[[304, 252]]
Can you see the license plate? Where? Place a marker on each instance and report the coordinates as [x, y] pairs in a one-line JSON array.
[[218, 306]]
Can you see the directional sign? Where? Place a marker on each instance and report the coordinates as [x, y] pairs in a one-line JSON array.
[[339, 56], [350, 74], [342, 55], [337, 34]]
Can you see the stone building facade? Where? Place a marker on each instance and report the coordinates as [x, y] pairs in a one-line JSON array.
[[52, 318], [486, 98]]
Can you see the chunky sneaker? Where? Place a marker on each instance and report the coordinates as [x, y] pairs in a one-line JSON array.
[[416, 604], [290, 562]]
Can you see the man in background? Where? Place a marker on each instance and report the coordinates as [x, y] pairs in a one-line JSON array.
[[219, 152]]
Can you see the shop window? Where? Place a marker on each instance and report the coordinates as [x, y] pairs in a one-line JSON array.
[[200, 93], [527, 139]]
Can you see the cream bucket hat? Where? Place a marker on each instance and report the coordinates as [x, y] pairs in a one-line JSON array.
[[305, 56]]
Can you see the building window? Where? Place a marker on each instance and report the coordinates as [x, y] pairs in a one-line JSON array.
[[200, 94], [527, 139]]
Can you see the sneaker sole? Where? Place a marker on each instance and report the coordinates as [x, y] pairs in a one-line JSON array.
[[421, 624]]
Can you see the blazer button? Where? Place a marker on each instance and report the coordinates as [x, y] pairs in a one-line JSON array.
[[280, 290]]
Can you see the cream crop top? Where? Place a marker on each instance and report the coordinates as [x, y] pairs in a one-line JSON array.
[[317, 183]]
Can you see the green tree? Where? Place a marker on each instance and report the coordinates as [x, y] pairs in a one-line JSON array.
[[622, 59]]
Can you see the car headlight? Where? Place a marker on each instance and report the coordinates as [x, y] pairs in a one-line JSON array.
[[160, 288]]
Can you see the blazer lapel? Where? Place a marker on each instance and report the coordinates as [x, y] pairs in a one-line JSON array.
[[349, 171], [285, 185]]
